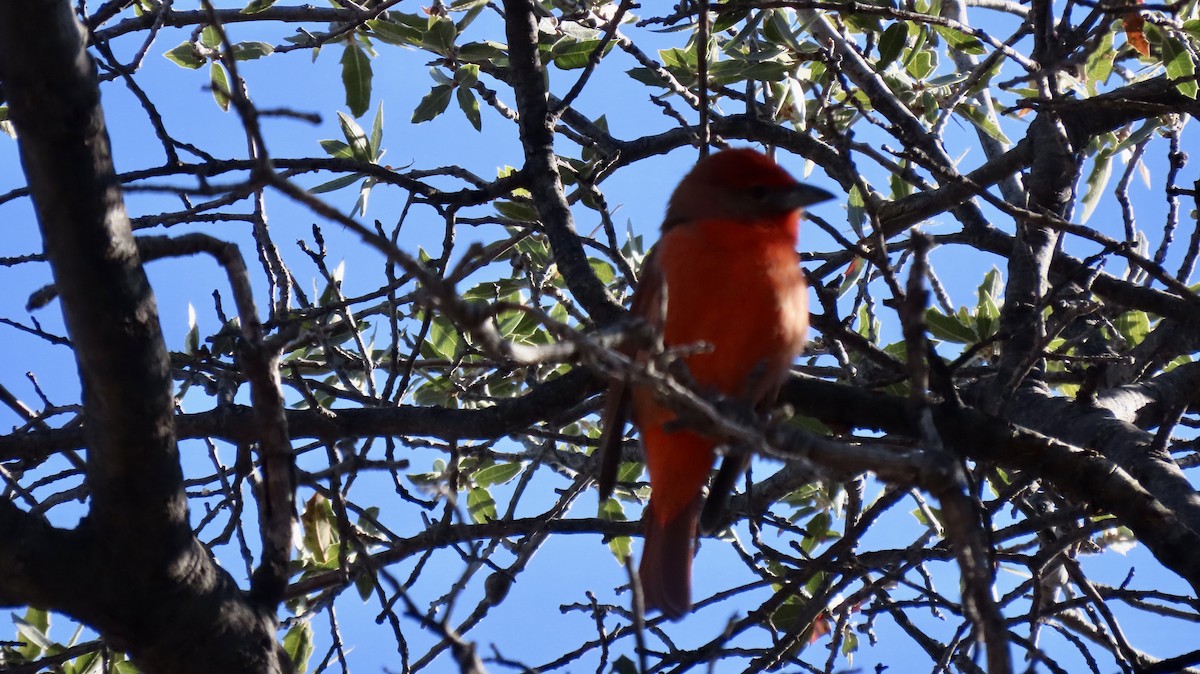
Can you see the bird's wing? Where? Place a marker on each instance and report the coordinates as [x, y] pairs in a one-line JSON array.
[[649, 304]]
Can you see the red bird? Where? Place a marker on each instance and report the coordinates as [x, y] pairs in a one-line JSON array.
[[725, 272]]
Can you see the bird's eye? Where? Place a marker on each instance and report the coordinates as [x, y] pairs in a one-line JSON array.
[[759, 193]]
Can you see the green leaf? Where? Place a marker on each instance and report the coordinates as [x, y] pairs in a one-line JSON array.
[[186, 56], [470, 107], [603, 270], [891, 45], [521, 212], [856, 213], [356, 77], [1133, 326], [442, 340], [210, 37], [88, 663], [473, 9], [900, 187], [1100, 63], [248, 51], [647, 76], [466, 75], [630, 471], [319, 525], [729, 72], [480, 505], [499, 473], [947, 80], [987, 317], [571, 54], [33, 629], [1143, 132], [979, 117], [621, 547], [375, 143], [918, 45], [298, 643], [364, 582], [1179, 64], [727, 18], [1097, 180], [960, 41], [849, 643], [679, 58], [922, 64], [355, 137], [948, 328], [868, 326], [922, 516], [336, 149], [336, 184], [1192, 27], [991, 289], [482, 52], [220, 85], [440, 36], [257, 6], [396, 33], [433, 104]]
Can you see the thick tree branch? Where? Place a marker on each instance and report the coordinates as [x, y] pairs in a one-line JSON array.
[[541, 168], [547, 402], [1110, 481], [154, 590], [39, 565], [107, 303]]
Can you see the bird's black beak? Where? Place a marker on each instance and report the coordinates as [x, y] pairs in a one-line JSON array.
[[801, 195]]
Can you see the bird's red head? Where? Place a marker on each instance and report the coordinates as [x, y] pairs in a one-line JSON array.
[[740, 184]]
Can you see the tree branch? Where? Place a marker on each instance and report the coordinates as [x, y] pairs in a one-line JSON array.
[[154, 590], [537, 136]]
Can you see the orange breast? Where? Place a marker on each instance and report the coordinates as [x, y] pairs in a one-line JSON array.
[[738, 287]]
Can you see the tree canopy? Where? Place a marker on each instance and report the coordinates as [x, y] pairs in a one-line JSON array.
[[357, 429]]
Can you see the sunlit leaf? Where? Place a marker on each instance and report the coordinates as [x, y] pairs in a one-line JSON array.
[[220, 85], [1180, 67], [948, 328], [960, 41], [1133, 326], [470, 107], [298, 643], [923, 63], [440, 36], [480, 505], [433, 104], [185, 55], [573, 54], [210, 37], [356, 78], [336, 184], [257, 6], [499, 473], [395, 32], [249, 51]]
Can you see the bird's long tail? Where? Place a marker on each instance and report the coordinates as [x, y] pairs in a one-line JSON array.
[[666, 568]]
